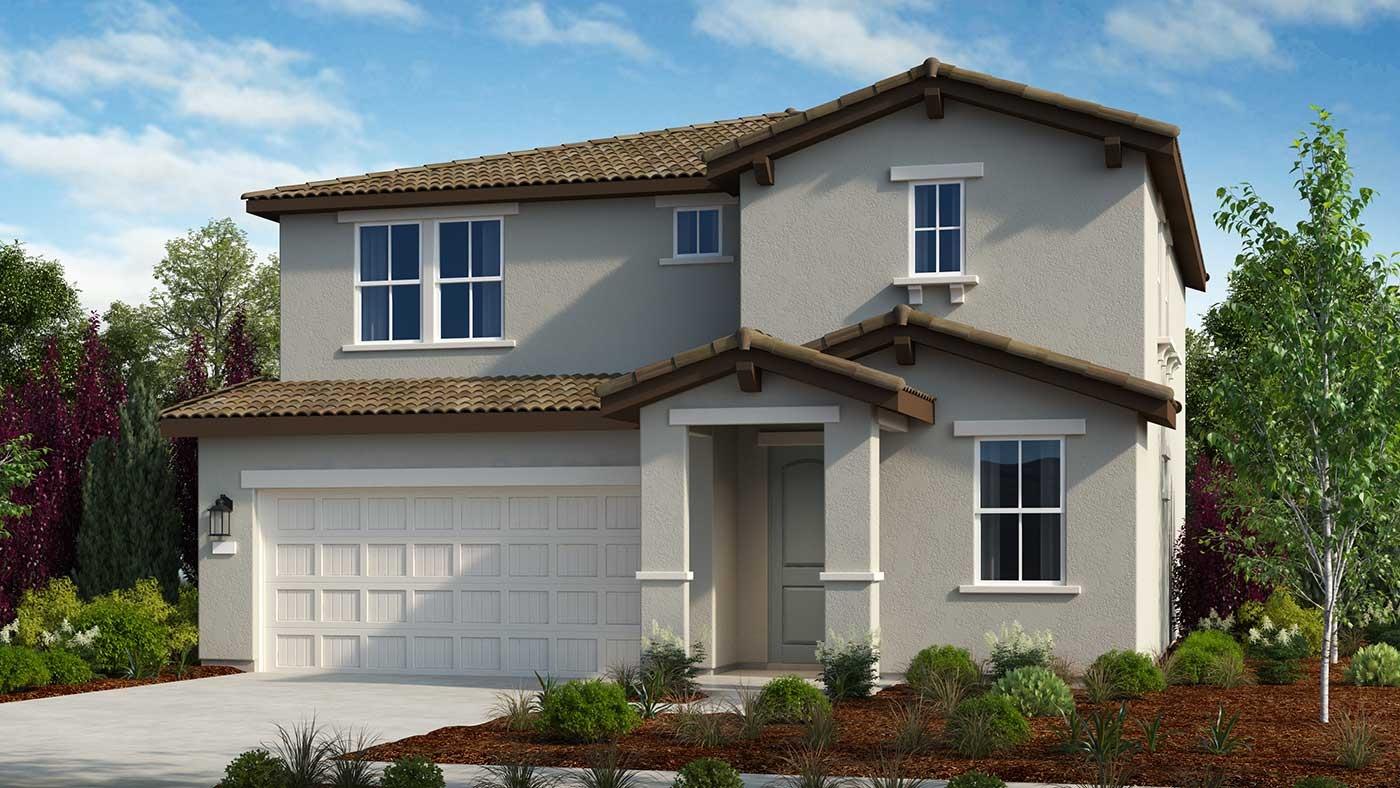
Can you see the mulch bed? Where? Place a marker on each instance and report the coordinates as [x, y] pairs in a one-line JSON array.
[[100, 684], [1280, 723]]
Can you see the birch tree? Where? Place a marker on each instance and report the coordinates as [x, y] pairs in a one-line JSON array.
[[1308, 410]]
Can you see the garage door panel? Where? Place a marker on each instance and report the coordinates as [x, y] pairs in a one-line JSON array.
[[388, 514], [340, 514], [529, 513], [432, 560], [388, 560], [341, 560], [481, 514], [481, 560], [434, 514]]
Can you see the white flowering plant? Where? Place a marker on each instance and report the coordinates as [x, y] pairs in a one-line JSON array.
[[667, 663], [1214, 621], [67, 638], [1016, 648], [848, 664], [1267, 640]]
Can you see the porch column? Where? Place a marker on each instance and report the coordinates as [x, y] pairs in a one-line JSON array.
[[852, 576], [665, 572]]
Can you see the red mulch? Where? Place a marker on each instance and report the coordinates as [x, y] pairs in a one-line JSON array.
[[1280, 723], [100, 684]]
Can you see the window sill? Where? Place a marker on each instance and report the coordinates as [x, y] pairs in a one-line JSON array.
[[446, 344], [956, 284], [1018, 588], [699, 259]]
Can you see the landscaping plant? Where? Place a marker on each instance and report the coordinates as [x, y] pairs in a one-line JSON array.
[[940, 661], [820, 732], [748, 710], [1098, 684], [1106, 746], [665, 655], [1375, 666], [1358, 741], [890, 774], [44, 610], [305, 750], [1319, 782], [651, 690], [945, 691], [976, 779], [607, 770], [1227, 671], [791, 699], [347, 766], [807, 767], [1015, 648], [1153, 734], [1193, 659], [1129, 673], [516, 707], [587, 711], [515, 775], [22, 668], [698, 725], [65, 667], [707, 773], [1282, 612], [1036, 691], [255, 769], [412, 772], [1219, 737], [911, 733], [986, 724], [848, 666]]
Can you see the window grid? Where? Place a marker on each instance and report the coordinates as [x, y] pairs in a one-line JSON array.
[[388, 283], [676, 232], [1019, 510], [934, 229], [468, 280]]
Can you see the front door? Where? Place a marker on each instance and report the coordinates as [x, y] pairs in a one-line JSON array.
[[796, 553]]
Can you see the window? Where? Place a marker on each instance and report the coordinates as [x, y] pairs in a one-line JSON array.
[[697, 232], [469, 296], [936, 242], [1020, 511], [387, 283]]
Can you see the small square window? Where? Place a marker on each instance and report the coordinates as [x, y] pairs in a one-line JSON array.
[[697, 232]]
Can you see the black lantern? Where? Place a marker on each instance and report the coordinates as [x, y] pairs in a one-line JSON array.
[[219, 516]]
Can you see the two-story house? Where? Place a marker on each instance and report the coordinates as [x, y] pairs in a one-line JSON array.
[[907, 361]]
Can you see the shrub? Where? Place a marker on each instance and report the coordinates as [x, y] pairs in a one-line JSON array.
[[1390, 637], [820, 733], [940, 661], [587, 711], [516, 775], [1357, 741], [945, 692], [1319, 782], [698, 725], [607, 771], [21, 668], [1228, 671], [1283, 612], [976, 779], [306, 750], [910, 723], [1130, 673], [65, 667], [412, 772], [255, 769], [707, 773], [1278, 671], [986, 724], [791, 699], [848, 666], [1198, 653], [45, 610], [1375, 666], [664, 656], [1037, 692], [134, 635], [1017, 648]]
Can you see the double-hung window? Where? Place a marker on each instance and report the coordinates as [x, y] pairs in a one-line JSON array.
[[697, 232], [388, 283], [1020, 511], [936, 242], [469, 279]]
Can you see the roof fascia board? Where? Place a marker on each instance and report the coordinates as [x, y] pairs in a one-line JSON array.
[[386, 423]]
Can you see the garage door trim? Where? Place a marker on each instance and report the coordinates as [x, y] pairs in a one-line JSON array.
[[552, 476]]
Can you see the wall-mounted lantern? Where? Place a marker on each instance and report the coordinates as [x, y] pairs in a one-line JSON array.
[[220, 516]]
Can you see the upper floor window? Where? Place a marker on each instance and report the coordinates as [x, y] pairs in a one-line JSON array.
[[387, 283], [697, 232], [1020, 511], [936, 229], [469, 280]]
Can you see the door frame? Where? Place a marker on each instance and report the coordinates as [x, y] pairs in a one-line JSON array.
[[775, 456]]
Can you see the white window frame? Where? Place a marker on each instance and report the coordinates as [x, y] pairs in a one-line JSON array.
[[676, 239], [439, 280], [961, 228], [390, 282], [978, 511]]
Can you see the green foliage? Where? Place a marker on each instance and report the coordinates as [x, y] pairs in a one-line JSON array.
[[1017, 648], [976, 779], [133, 630], [940, 661], [587, 711], [700, 725], [36, 303], [707, 773], [1036, 691], [1278, 671], [1319, 782], [131, 522], [1130, 673], [791, 699], [412, 772], [1375, 666], [1388, 636], [1198, 654], [668, 666], [986, 724], [1356, 740], [22, 668], [1106, 746], [45, 609], [848, 666], [1220, 737], [1281, 612], [65, 667], [255, 769], [19, 464]]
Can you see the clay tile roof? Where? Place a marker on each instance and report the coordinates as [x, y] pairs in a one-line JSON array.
[[666, 153], [513, 394]]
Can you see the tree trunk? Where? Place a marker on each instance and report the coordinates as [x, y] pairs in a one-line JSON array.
[[1328, 617]]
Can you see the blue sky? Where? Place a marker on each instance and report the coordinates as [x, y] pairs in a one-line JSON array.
[[124, 122]]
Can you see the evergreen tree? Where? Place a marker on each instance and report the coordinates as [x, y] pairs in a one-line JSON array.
[[240, 351], [131, 526]]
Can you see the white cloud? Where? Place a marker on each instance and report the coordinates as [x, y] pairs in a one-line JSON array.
[[119, 269], [868, 40], [603, 27], [393, 10], [18, 102]]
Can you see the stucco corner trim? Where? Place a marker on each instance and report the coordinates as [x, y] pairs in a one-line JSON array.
[[851, 577], [805, 414], [665, 575], [558, 476], [1018, 588], [934, 172], [699, 259], [1018, 427]]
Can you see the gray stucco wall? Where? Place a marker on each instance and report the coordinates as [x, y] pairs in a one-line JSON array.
[[584, 292], [1055, 237]]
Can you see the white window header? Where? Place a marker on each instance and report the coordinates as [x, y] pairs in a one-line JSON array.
[[935, 172], [696, 200], [436, 212], [1018, 427]]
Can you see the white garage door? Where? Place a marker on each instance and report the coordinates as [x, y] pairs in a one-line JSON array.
[[472, 581]]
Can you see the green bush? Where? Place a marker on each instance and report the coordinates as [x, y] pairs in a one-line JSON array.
[[1198, 653], [707, 773], [1130, 673], [976, 779], [1037, 692], [668, 664], [587, 711], [45, 610], [1284, 612], [948, 661], [1375, 666], [21, 667], [412, 772], [65, 667], [791, 699], [1390, 637], [848, 666], [1017, 648], [255, 769], [1278, 671], [1319, 782], [133, 630], [986, 724]]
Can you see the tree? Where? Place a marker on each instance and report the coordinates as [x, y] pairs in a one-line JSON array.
[[184, 460], [1204, 575], [36, 303], [240, 351], [131, 529], [1308, 405], [19, 464]]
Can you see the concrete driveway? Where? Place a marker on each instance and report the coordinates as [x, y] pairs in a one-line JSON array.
[[183, 733]]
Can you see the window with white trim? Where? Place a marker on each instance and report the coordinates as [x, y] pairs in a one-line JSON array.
[[697, 232], [936, 227], [1020, 511], [388, 293], [470, 300]]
